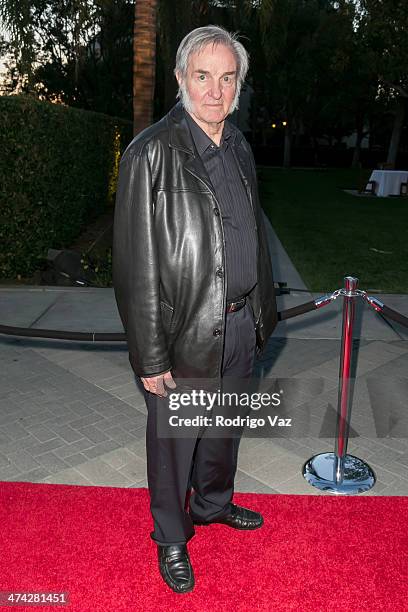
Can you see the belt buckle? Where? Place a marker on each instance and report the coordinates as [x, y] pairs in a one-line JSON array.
[[234, 306]]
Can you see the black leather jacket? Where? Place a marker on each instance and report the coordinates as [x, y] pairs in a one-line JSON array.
[[168, 254]]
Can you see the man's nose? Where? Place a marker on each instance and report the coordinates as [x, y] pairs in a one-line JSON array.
[[215, 91]]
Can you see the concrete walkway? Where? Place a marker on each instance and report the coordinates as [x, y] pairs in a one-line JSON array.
[[71, 412]]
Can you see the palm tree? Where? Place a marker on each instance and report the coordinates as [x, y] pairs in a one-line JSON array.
[[144, 63]]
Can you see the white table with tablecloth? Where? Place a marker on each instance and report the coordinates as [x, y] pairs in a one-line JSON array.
[[388, 182]]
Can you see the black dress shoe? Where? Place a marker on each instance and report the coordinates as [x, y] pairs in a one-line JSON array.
[[175, 568], [238, 518]]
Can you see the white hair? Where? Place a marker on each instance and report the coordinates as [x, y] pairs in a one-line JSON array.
[[194, 42]]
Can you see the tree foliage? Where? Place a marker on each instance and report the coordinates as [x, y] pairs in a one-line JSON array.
[[328, 68]]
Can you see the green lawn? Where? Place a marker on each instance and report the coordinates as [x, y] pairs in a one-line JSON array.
[[330, 234]]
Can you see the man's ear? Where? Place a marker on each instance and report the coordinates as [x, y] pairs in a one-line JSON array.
[[179, 77]]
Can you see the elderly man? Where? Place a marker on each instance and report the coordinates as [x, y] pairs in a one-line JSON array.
[[193, 283]]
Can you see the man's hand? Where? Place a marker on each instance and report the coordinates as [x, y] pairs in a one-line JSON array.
[[155, 384]]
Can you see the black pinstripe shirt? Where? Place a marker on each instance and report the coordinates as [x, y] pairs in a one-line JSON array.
[[236, 211]]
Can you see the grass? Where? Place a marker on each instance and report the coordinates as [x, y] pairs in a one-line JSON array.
[[330, 234]]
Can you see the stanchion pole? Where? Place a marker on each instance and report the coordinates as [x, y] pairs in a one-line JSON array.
[[344, 403], [339, 472]]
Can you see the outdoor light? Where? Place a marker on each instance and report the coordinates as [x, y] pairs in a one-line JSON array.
[[284, 123], [274, 125]]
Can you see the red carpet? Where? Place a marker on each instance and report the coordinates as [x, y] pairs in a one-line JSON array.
[[314, 553]]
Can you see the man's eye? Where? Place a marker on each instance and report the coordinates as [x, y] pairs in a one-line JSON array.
[[201, 77]]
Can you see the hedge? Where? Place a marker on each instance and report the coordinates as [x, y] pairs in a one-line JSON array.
[[58, 170]]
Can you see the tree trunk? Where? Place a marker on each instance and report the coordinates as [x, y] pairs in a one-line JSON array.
[[287, 150], [359, 118], [144, 63], [355, 162], [396, 132]]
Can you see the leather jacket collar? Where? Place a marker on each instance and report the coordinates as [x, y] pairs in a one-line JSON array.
[[179, 133], [180, 138]]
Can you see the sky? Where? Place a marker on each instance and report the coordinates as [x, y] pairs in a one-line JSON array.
[[2, 67]]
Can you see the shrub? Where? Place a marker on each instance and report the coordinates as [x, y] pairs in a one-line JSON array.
[[58, 171]]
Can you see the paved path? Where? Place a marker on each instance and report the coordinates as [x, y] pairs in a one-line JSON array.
[[71, 413]]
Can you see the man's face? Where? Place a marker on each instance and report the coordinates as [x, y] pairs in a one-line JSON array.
[[210, 84]]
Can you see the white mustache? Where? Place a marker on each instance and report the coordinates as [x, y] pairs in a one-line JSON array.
[[188, 105]]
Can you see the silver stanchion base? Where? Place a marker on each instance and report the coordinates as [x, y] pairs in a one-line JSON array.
[[325, 472]]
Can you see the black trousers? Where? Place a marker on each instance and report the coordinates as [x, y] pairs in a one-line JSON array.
[[205, 464]]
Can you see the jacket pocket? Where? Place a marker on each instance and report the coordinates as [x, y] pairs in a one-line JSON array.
[[167, 314]]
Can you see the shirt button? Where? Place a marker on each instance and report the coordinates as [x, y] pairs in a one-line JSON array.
[[216, 211], [217, 332], [219, 272]]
